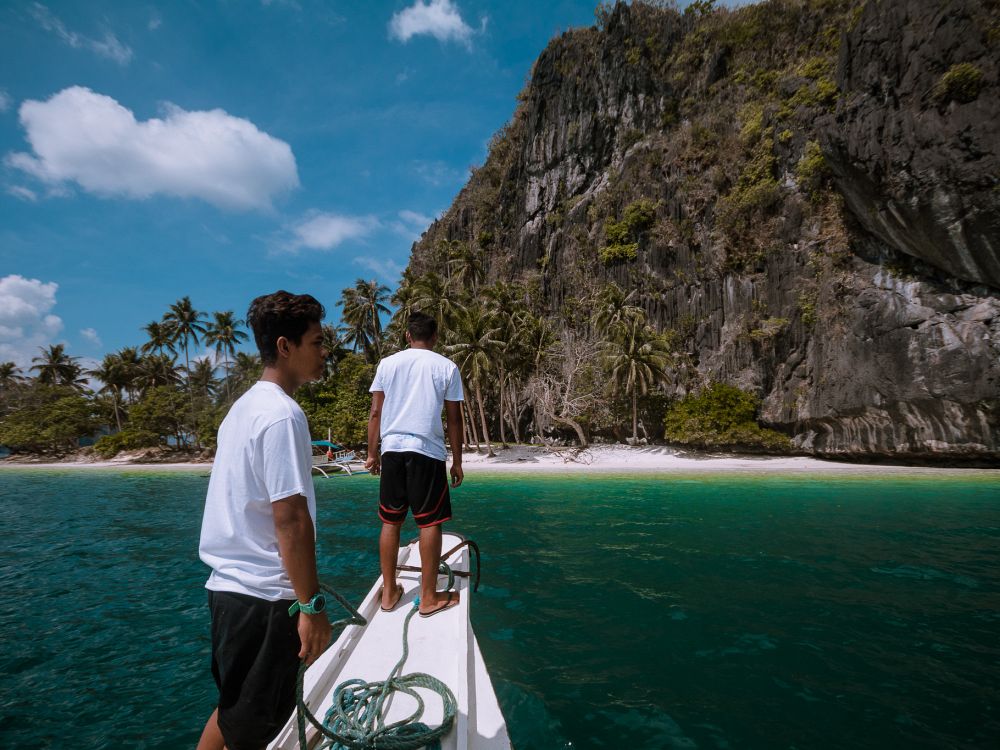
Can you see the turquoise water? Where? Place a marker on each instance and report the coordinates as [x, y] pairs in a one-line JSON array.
[[653, 612]]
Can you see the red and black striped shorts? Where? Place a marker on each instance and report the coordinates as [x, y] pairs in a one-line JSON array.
[[413, 481]]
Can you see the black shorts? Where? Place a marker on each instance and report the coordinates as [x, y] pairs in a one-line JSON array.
[[255, 662], [417, 482]]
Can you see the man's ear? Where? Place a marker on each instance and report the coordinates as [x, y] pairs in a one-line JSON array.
[[282, 346], [409, 338]]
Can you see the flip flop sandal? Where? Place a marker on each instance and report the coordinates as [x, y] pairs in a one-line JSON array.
[[395, 603], [447, 605]]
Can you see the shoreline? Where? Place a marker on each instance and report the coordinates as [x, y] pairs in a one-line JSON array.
[[599, 459]]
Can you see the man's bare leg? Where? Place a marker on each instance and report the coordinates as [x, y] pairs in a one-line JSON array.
[[430, 558], [211, 736], [388, 552]]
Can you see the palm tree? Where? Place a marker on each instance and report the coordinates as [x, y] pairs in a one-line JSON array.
[[466, 265], [55, 367], [505, 302], [363, 307], [185, 324], [201, 378], [613, 306], [224, 334], [160, 337], [246, 370], [155, 370], [115, 379], [638, 358], [10, 375], [130, 362], [473, 350], [432, 296]]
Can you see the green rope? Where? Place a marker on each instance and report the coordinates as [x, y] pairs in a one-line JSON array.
[[355, 721], [444, 569]]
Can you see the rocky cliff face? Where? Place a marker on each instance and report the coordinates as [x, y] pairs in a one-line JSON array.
[[827, 209]]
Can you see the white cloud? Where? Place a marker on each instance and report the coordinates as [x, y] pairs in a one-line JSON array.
[[438, 18], [155, 21], [108, 47], [5, 100], [324, 231], [411, 224], [437, 173], [26, 320], [412, 217], [91, 335], [25, 194], [88, 138], [386, 268]]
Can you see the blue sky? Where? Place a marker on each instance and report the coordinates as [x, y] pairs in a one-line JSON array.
[[223, 149]]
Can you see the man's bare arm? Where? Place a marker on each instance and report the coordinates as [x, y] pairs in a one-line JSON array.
[[297, 546], [374, 462], [456, 436]]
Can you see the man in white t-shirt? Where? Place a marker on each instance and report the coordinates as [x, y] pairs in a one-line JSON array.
[[408, 393], [258, 534]]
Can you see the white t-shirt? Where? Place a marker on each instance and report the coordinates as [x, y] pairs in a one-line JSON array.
[[264, 454], [416, 383]]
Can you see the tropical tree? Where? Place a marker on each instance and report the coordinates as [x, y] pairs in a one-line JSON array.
[[56, 367], [224, 334], [186, 324], [246, 371], [363, 306], [432, 296], [160, 337], [156, 370], [466, 265], [130, 364], [201, 379], [115, 380], [473, 349], [52, 418], [10, 374], [638, 358], [613, 306]]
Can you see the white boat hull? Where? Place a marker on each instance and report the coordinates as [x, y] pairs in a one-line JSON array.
[[443, 646]]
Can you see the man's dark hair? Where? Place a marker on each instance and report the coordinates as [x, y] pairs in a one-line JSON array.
[[282, 313], [421, 327]]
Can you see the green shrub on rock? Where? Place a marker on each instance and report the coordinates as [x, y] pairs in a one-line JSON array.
[[721, 416], [961, 83], [622, 236]]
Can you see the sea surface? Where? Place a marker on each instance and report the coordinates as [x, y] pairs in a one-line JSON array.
[[698, 611]]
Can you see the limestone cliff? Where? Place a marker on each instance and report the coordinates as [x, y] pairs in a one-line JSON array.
[[825, 182]]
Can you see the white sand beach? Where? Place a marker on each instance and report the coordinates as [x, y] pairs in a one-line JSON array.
[[609, 459]]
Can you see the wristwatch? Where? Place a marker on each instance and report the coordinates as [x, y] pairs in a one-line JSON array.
[[312, 607]]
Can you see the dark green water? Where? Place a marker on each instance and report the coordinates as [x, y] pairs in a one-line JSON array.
[[654, 612]]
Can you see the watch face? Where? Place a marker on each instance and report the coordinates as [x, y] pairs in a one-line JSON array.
[[319, 603]]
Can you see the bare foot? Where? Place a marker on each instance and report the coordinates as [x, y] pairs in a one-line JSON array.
[[442, 600]]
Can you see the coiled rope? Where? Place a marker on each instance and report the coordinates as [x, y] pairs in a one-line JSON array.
[[356, 719]]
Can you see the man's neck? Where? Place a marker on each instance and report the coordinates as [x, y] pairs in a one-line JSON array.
[[426, 345], [282, 379]]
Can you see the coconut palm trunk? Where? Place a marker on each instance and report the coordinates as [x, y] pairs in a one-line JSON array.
[[502, 412], [635, 415], [482, 416], [471, 422]]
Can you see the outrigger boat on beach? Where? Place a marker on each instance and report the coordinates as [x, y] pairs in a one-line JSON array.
[[330, 459], [406, 677]]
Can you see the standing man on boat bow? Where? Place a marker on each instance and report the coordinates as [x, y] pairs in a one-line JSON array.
[[408, 393], [258, 534]]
